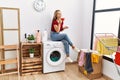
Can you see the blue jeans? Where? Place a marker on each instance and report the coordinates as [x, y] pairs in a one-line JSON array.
[[64, 38]]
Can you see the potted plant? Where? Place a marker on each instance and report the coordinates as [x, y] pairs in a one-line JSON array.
[[31, 38], [31, 52]]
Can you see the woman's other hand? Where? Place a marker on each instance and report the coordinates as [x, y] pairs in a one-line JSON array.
[[65, 27], [59, 21]]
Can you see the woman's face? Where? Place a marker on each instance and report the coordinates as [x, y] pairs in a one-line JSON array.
[[59, 14]]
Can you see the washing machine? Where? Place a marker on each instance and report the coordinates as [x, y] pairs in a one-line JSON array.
[[53, 56]]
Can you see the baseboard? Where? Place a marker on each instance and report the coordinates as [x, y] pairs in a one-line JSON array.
[[106, 77]]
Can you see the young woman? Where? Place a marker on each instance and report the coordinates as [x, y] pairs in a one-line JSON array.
[[57, 27]]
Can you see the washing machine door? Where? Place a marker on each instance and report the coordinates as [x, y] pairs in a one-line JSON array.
[[55, 57]]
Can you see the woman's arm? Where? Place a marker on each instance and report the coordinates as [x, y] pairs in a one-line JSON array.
[[57, 27], [65, 27]]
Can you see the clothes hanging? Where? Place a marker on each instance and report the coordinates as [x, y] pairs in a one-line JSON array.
[[81, 58], [88, 63], [100, 36], [104, 44], [117, 58], [95, 58], [118, 48]]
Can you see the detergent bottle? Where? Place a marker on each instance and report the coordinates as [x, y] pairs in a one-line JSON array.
[[38, 36], [45, 36]]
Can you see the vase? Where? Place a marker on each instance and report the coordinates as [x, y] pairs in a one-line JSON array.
[[31, 41], [31, 55]]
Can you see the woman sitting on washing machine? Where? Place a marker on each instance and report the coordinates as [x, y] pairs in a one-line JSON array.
[[57, 27]]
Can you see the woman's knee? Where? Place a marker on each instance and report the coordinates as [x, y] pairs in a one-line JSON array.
[[65, 42], [65, 35]]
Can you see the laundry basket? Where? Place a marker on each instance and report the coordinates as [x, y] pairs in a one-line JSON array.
[[97, 69]]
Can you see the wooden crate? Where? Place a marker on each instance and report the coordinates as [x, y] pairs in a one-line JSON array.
[[29, 65]]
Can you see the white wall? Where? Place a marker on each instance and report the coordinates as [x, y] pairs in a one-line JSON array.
[[87, 8], [110, 70], [73, 11]]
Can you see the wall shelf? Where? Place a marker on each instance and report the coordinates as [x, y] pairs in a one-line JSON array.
[[10, 61]]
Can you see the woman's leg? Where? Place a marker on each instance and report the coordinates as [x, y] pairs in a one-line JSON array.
[[59, 37], [66, 47], [67, 39]]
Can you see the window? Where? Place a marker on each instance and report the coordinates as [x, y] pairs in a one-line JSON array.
[[107, 22], [107, 4]]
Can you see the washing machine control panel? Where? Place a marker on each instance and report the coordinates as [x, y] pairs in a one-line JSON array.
[[53, 45], [47, 45]]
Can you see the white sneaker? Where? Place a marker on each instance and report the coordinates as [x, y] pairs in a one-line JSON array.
[[69, 59], [76, 49]]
